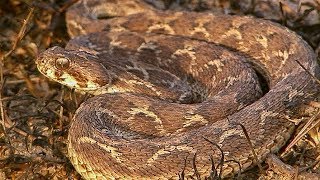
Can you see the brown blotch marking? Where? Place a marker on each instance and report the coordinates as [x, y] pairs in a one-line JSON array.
[[138, 26], [131, 41]]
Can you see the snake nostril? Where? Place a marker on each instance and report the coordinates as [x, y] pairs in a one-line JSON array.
[[105, 16]]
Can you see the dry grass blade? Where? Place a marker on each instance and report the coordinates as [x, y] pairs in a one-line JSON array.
[[2, 59], [20, 34], [312, 122], [221, 159], [251, 147], [181, 175], [214, 172], [313, 77], [195, 167], [61, 107]]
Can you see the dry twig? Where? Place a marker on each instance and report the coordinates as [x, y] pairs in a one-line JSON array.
[[3, 58]]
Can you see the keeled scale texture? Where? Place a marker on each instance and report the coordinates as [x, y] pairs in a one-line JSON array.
[[141, 130]]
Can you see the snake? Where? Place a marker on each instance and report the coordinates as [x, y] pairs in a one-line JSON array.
[[176, 92]]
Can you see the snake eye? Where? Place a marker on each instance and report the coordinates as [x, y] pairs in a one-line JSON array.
[[62, 63]]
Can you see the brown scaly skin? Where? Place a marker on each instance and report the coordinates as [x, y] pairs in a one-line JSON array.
[[162, 94]]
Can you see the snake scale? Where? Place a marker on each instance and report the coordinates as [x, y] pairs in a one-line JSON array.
[[167, 83]]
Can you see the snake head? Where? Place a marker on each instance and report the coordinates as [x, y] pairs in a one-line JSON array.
[[79, 70]]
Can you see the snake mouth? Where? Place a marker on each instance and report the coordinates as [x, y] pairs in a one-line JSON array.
[[71, 81]]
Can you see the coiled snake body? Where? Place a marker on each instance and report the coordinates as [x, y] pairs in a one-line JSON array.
[[167, 81]]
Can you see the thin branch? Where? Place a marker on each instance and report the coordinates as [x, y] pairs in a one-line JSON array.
[[195, 167], [20, 35], [307, 71], [222, 156], [251, 147], [3, 58], [312, 122], [181, 175]]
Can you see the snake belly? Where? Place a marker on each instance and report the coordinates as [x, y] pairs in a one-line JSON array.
[[166, 82]]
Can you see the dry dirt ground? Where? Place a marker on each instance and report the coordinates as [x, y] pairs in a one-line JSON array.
[[36, 112]]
